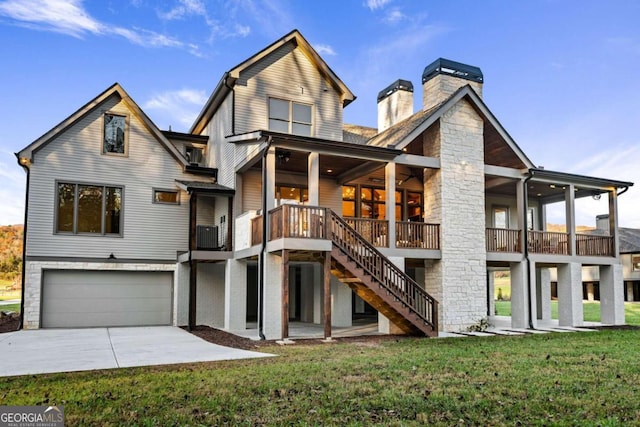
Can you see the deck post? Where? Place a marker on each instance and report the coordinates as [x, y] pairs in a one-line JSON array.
[[571, 218], [285, 294], [390, 214], [193, 265], [326, 277]]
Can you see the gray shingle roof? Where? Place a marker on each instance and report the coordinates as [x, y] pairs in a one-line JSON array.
[[629, 238], [356, 134]]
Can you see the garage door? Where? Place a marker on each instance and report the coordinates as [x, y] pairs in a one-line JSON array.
[[105, 298]]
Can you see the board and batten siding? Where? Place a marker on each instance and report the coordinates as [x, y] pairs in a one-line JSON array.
[[287, 73], [150, 231]]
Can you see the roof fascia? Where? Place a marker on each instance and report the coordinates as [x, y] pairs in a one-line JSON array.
[[582, 181], [472, 96], [218, 95], [27, 152]]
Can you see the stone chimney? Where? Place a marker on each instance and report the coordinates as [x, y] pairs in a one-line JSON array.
[[395, 103], [602, 222], [443, 77]]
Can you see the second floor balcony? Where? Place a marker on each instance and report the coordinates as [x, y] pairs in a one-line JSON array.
[[548, 243]]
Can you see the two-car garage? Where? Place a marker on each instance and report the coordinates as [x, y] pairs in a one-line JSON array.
[[81, 298]]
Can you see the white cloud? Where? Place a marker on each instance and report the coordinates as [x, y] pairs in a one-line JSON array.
[[394, 16], [178, 108], [324, 49], [185, 8], [376, 4], [69, 17]]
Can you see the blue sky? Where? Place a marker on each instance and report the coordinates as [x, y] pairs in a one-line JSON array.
[[563, 77]]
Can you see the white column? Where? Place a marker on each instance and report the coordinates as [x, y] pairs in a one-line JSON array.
[[570, 205], [570, 312], [611, 295], [384, 325], [613, 222], [235, 295], [341, 306], [270, 181], [491, 291], [390, 214], [543, 293], [273, 297], [520, 295], [314, 179], [522, 208]]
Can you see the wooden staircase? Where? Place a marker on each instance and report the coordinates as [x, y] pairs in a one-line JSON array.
[[375, 279]]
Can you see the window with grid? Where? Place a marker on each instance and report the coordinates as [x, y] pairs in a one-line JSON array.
[[290, 117]]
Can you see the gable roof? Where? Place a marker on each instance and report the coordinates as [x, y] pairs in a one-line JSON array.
[[401, 134], [113, 90], [228, 80]]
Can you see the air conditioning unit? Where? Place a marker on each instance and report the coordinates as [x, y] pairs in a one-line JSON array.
[[207, 237], [194, 155]]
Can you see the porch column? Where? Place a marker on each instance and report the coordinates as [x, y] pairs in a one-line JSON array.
[[235, 295], [285, 294], [613, 222], [521, 299], [611, 295], [491, 293], [521, 205], [326, 279], [193, 265], [313, 179], [390, 205], [570, 205], [543, 293], [270, 182], [570, 312], [272, 297]]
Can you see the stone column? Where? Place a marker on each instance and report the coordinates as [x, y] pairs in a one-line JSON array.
[[570, 312], [235, 295], [611, 295]]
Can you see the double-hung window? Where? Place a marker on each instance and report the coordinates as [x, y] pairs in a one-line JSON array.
[[88, 209], [290, 117]]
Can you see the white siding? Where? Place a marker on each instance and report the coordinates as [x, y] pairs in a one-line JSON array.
[[251, 191], [150, 231], [287, 73], [331, 195]]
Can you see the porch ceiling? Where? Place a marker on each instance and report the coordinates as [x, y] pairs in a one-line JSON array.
[[543, 191]]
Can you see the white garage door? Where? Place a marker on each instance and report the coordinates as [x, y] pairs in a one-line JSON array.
[[80, 298]]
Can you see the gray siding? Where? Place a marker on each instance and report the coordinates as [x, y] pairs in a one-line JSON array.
[[150, 231], [221, 153], [287, 73], [251, 191]]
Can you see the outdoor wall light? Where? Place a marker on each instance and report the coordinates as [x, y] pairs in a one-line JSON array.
[[283, 156]]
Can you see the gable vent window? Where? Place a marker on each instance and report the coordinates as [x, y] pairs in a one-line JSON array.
[[115, 134], [290, 117], [193, 155]]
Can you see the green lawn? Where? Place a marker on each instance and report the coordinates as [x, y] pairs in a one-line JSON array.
[[552, 379], [10, 307], [591, 311]]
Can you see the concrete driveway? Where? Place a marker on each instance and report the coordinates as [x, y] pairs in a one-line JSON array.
[[65, 350]]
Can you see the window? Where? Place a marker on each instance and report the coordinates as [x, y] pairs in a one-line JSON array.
[[289, 117], [635, 260], [500, 217], [414, 206], [530, 219], [90, 209], [170, 197], [291, 194], [115, 140], [348, 201], [371, 202], [193, 155]]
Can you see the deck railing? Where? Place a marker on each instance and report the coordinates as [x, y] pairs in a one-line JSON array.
[[374, 230], [298, 221], [548, 242], [417, 235], [503, 240], [589, 245]]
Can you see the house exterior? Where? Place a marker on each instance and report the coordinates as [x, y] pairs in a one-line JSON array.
[[271, 209], [629, 258]]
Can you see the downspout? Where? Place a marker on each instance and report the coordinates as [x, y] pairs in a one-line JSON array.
[[624, 190], [525, 195], [263, 245], [24, 242]]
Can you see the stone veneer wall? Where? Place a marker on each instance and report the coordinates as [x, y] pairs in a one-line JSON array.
[[454, 198], [441, 87], [33, 281]]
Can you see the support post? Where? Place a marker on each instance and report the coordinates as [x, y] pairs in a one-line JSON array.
[[390, 206], [327, 295], [313, 179], [570, 204], [613, 223], [570, 311], [193, 265], [285, 294]]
